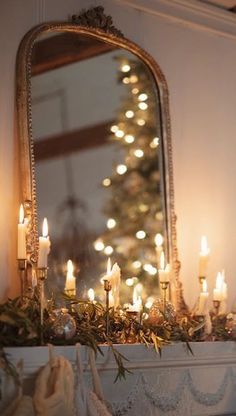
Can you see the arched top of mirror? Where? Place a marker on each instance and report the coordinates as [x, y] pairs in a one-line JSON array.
[[93, 24]]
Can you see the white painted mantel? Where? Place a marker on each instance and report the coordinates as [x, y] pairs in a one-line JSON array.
[[177, 383]]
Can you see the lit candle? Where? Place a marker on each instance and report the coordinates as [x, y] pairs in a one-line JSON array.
[[70, 279], [115, 280], [218, 291], [91, 295], [21, 246], [137, 302], [202, 306], [203, 257], [164, 272], [159, 249], [44, 246]]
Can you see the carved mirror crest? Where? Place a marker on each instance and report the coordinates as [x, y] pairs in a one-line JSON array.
[[95, 153]]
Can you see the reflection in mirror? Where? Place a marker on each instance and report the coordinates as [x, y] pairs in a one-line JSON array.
[[99, 172]]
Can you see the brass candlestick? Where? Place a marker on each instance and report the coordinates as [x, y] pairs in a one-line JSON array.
[[164, 287], [42, 275], [216, 304], [201, 280], [22, 267], [107, 288]]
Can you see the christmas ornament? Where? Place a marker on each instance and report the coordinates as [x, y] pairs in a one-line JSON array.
[[156, 314], [230, 325], [63, 324]]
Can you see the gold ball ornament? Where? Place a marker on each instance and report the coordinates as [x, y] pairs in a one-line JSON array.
[[230, 325], [159, 313], [63, 324]]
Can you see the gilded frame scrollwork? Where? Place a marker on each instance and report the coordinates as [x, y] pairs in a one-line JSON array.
[[96, 24]]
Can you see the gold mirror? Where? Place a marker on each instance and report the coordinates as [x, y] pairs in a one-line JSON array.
[[94, 130]]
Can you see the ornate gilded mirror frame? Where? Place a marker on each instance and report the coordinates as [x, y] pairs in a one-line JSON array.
[[96, 24]]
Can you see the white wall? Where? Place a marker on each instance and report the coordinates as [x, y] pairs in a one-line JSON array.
[[195, 46]]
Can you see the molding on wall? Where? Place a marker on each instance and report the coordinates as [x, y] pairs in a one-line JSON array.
[[198, 16]]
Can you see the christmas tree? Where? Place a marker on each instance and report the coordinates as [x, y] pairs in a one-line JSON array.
[[135, 204]]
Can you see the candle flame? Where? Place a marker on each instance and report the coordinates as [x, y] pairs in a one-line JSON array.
[[21, 214], [91, 294], [204, 286], [204, 247], [45, 227], [162, 261], [108, 266], [70, 268], [159, 240], [219, 281]]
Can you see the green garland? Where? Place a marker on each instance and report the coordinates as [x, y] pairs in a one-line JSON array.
[[19, 326]]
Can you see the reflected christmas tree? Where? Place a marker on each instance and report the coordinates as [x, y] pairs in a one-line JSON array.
[[134, 208]]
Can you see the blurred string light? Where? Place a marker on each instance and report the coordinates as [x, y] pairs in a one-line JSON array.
[[125, 68], [114, 128], [154, 143], [126, 80], [136, 264], [129, 114], [108, 250], [135, 90], [106, 182], [129, 282], [143, 208], [140, 234], [111, 223], [158, 239], [121, 169], [142, 97], [129, 138], [149, 302], [150, 269], [141, 122], [119, 134], [138, 153], [98, 245], [143, 106], [133, 79]]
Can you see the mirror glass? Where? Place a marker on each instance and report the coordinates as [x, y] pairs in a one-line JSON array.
[[96, 125]]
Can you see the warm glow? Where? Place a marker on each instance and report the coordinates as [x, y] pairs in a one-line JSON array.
[[129, 282], [45, 227], [129, 138], [125, 68], [91, 295], [70, 268], [106, 182], [121, 169], [141, 122], [21, 214], [219, 281], [133, 79], [158, 240], [108, 266], [150, 269], [108, 250], [149, 302], [141, 234], [142, 97], [125, 80], [137, 264], [135, 295], [143, 106], [114, 128], [98, 245], [119, 134], [143, 207], [111, 223], [154, 143], [139, 153], [204, 286], [129, 114], [162, 261], [135, 91], [204, 247]]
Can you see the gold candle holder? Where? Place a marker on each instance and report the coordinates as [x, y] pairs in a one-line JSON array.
[[216, 304], [164, 287], [42, 275], [201, 280], [22, 267], [107, 288]]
